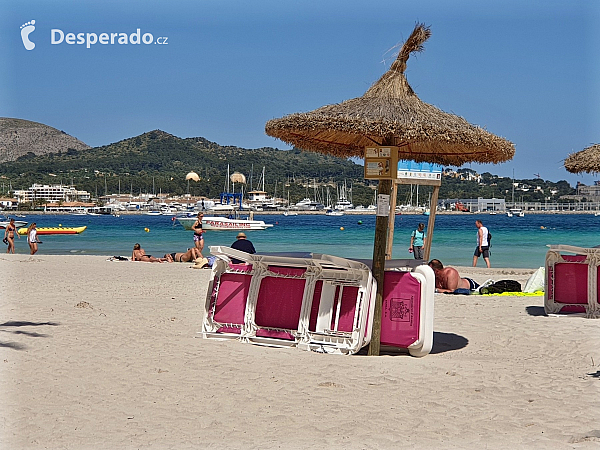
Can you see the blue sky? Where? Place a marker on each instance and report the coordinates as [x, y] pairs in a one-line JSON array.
[[527, 71]]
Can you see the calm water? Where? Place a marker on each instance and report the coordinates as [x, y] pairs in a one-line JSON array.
[[518, 242]]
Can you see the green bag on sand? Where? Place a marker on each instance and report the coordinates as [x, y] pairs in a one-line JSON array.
[[501, 286]]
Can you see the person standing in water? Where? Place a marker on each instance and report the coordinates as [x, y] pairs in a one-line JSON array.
[[198, 233], [9, 236], [417, 241], [32, 239], [483, 244]]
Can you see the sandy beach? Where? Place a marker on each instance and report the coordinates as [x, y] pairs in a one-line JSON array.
[[99, 354]]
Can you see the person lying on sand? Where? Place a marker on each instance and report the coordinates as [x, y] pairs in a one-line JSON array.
[[191, 255], [139, 254], [447, 279]]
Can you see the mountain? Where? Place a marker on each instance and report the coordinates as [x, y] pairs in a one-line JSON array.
[[157, 161], [19, 137]]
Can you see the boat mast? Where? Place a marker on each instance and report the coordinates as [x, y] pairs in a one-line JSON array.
[[513, 189], [227, 180]]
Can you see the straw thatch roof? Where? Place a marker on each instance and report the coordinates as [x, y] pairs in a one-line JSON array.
[[192, 176], [586, 160], [390, 113], [237, 177]]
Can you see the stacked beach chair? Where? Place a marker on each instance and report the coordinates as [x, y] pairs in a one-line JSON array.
[[315, 302], [572, 281]]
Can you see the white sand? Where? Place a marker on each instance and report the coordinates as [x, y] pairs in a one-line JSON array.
[[105, 355]]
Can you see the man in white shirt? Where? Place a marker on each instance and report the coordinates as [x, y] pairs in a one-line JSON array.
[[483, 245]]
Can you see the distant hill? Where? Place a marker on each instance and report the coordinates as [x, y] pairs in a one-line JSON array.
[[157, 161], [19, 137]]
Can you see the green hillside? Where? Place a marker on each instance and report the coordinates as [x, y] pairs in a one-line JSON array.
[[158, 162]]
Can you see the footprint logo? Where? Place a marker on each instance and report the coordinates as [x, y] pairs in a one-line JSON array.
[[26, 30]]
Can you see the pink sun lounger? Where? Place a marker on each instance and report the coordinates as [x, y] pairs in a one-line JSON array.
[[315, 302], [571, 284], [407, 310]]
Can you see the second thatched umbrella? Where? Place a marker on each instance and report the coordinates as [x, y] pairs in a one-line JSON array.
[[391, 114], [586, 160]]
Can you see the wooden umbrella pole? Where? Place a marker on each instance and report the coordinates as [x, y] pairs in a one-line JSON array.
[[378, 268], [392, 221], [431, 222]]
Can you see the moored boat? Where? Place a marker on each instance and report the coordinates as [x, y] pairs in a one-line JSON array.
[[18, 223], [515, 212], [224, 223]]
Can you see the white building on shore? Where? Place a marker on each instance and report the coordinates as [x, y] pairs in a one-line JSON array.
[[51, 193]]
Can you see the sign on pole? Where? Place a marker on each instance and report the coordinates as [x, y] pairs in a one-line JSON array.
[[381, 163]]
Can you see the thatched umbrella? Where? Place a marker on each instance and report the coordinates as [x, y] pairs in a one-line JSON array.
[[586, 160], [237, 177], [192, 176], [391, 114]]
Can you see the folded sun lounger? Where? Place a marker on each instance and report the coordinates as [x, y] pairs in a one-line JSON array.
[[571, 284], [316, 302]]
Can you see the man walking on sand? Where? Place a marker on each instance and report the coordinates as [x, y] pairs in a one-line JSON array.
[[483, 244]]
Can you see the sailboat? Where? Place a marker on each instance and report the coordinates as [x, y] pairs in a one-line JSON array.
[[343, 202], [514, 211], [229, 217], [311, 205], [373, 205], [259, 200]]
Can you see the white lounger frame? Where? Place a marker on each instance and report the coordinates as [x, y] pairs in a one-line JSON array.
[[331, 270], [553, 257]]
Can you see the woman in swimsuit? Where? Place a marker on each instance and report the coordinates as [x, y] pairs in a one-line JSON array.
[[191, 255], [9, 235], [198, 231], [139, 254]]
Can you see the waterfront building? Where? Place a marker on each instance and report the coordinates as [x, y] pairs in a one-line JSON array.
[[51, 194]]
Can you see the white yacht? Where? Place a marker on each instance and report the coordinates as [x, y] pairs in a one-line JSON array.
[[515, 212]]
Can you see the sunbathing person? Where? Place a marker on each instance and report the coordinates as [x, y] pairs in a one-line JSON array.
[[447, 279], [191, 255], [139, 254]]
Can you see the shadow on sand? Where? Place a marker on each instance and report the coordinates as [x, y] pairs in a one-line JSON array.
[[8, 327], [442, 342], [535, 310]]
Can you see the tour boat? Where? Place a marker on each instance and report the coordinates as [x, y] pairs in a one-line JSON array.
[[231, 221]]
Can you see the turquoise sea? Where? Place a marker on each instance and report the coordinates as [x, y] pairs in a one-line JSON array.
[[518, 242]]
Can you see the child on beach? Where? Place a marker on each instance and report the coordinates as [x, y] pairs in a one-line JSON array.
[[32, 239]]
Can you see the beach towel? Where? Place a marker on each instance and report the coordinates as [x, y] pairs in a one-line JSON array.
[[516, 294]]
